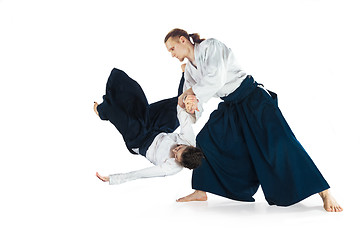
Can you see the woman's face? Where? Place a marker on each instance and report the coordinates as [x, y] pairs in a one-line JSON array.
[[177, 47]]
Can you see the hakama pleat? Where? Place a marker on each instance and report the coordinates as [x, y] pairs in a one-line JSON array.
[[247, 143], [126, 107]]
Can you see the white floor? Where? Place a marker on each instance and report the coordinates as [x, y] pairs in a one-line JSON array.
[[55, 58]]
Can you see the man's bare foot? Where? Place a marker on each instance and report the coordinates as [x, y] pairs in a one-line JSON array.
[[195, 196], [95, 108], [330, 203]]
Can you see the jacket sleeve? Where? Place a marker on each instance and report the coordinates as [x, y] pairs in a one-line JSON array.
[[214, 57], [169, 167]]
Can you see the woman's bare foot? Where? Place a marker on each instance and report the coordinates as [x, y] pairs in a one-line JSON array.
[[195, 196], [95, 108], [330, 203]]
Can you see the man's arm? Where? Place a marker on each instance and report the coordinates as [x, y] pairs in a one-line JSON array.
[[170, 167], [186, 131], [214, 61]]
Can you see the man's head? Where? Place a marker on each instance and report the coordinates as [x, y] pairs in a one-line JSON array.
[[178, 43], [178, 46], [188, 156]]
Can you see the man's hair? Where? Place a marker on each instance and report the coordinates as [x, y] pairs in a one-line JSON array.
[[191, 157]]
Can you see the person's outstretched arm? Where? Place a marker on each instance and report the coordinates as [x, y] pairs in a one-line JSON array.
[[170, 167]]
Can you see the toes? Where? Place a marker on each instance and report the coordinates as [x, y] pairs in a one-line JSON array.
[[334, 209], [339, 209], [180, 200], [329, 209]]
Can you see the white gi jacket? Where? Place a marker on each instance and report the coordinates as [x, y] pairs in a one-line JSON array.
[[216, 74], [159, 152]]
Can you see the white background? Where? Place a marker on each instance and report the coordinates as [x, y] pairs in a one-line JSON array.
[[55, 57]]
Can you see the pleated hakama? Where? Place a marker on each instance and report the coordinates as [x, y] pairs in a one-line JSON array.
[[247, 143], [126, 107]]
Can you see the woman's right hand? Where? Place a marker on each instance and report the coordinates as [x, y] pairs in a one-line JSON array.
[[184, 95], [191, 104]]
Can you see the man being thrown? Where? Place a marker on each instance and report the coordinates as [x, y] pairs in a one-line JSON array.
[[148, 129]]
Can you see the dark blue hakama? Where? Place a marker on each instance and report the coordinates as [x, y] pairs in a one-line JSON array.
[[126, 107], [247, 142]]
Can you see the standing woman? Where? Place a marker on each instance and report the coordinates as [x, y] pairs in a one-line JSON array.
[[246, 141]]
